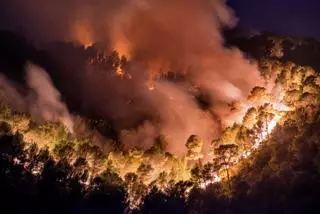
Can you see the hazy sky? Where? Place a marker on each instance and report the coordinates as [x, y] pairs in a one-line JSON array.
[[291, 17], [295, 17]]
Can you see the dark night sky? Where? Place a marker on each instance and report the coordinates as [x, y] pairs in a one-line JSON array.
[[289, 17]]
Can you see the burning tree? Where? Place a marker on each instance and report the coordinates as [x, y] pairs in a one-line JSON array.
[[194, 145], [225, 157], [250, 118], [259, 94]]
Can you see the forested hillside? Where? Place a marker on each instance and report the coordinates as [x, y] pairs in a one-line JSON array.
[[267, 161]]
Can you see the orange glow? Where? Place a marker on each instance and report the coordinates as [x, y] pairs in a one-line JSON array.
[[82, 34], [121, 45], [120, 71], [150, 85], [151, 88], [268, 129]]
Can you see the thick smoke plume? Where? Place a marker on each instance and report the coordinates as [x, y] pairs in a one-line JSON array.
[[42, 101], [181, 36]]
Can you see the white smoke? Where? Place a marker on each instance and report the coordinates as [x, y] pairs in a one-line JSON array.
[[43, 100], [178, 35]]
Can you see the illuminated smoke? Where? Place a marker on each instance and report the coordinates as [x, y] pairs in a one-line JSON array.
[[45, 102], [182, 36], [42, 101]]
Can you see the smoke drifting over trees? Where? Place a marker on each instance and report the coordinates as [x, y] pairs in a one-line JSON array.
[[42, 101], [157, 37], [150, 84]]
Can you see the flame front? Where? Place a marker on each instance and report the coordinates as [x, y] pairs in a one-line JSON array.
[[267, 129]]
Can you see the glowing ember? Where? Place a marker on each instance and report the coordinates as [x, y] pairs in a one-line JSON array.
[[206, 183], [120, 71], [150, 86]]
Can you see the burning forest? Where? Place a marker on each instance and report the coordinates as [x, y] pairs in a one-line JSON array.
[[142, 107]]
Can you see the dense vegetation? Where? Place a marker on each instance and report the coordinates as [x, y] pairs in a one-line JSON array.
[[252, 167]]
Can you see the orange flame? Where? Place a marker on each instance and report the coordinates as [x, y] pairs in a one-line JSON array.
[[82, 34], [121, 45], [120, 71]]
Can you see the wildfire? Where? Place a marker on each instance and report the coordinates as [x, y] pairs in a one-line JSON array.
[[216, 179], [122, 45], [120, 71], [267, 129], [82, 34], [150, 87]]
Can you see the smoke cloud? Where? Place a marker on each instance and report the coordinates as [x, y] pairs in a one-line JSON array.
[[181, 36], [42, 101]]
